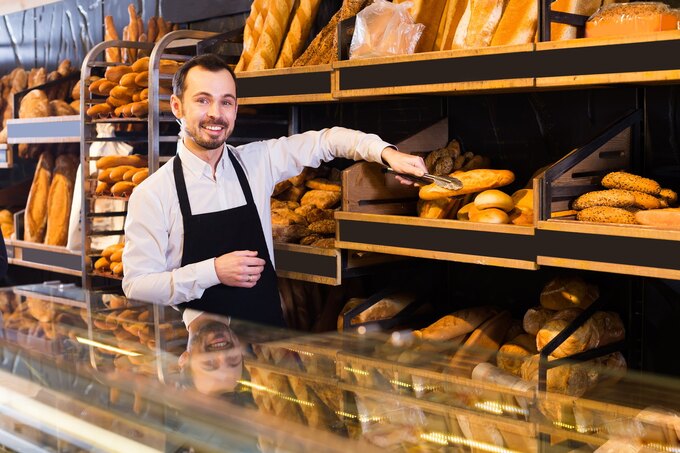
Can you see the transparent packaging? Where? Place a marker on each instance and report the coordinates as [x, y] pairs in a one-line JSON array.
[[626, 19], [384, 29]]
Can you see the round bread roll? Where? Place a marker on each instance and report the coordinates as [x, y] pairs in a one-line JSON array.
[[512, 354], [567, 379], [585, 337], [491, 215], [568, 292], [494, 199], [535, 318]]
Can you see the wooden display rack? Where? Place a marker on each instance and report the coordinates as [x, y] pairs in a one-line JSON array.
[[624, 249]]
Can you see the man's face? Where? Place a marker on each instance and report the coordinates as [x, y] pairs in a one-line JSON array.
[[207, 108], [214, 356]]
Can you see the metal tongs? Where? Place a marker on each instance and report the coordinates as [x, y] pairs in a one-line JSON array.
[[447, 182]]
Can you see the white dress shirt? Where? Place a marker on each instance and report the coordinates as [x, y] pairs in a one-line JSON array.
[[154, 232]]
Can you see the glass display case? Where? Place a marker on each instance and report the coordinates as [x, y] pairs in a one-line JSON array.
[[84, 371]]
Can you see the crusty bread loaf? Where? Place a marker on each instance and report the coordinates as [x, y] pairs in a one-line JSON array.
[[567, 379], [473, 181], [484, 18], [252, 32], [559, 32], [436, 209], [429, 13], [297, 35], [133, 32], [453, 13], [512, 354], [35, 217], [34, 105], [535, 318], [58, 107], [59, 199], [518, 23], [456, 324], [585, 337], [568, 291], [112, 54], [662, 218], [609, 326], [273, 33]]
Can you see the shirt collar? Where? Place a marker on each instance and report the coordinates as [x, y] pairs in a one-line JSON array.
[[197, 166]]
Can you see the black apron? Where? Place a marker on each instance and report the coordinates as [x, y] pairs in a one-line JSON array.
[[215, 233]]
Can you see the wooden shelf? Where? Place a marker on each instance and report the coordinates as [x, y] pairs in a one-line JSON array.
[[450, 240], [53, 129], [44, 257], [274, 86]]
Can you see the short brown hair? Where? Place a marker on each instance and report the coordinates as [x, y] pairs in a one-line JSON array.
[[210, 61]]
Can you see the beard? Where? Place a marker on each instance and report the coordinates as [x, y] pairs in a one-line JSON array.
[[204, 140], [207, 330]]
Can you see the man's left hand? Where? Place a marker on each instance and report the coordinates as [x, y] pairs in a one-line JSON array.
[[404, 163]]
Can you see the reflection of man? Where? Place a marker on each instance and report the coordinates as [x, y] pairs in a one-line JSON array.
[[213, 361]]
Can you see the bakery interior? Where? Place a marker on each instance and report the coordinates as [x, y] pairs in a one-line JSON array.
[[535, 309]]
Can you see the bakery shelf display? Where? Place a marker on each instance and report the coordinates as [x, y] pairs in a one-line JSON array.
[[45, 257], [54, 129], [286, 85], [585, 225]]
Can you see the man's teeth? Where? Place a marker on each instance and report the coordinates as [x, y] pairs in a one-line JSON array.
[[214, 128]]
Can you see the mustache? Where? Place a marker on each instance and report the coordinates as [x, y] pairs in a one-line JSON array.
[[216, 122]]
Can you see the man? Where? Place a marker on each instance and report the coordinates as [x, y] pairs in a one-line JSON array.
[[198, 231]]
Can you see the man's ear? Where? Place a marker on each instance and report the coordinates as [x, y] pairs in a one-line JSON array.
[[176, 106], [183, 359]]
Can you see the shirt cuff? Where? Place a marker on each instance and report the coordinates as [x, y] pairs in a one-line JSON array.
[[205, 273], [375, 153]]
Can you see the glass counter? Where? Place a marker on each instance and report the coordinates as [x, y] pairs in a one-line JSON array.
[[91, 371]]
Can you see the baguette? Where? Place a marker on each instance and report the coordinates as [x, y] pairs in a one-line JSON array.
[[134, 160], [518, 23], [130, 173], [108, 251], [436, 209], [473, 181], [99, 110], [151, 29], [142, 79], [298, 33], [35, 217], [484, 19], [128, 80], [122, 188], [102, 264], [59, 200], [116, 173], [112, 54], [252, 32], [140, 176], [428, 13], [270, 41], [456, 324], [133, 31]]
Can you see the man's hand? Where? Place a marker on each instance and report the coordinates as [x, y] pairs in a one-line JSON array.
[[241, 268], [404, 163]]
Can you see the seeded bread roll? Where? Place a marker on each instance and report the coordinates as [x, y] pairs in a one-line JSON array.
[[627, 181], [646, 201], [669, 196], [614, 197], [607, 214]]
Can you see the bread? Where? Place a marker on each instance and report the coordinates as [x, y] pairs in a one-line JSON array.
[[112, 54], [560, 32], [318, 50], [128, 80], [481, 345], [322, 199], [568, 292], [606, 214], [59, 200], [102, 188], [117, 256], [609, 326], [289, 233], [127, 176], [535, 318], [325, 227], [58, 107], [616, 198], [473, 181], [628, 181], [297, 35], [110, 250], [35, 217], [453, 13], [114, 73], [662, 218], [429, 13], [491, 215], [484, 18], [75, 105], [142, 79], [436, 209], [567, 379], [140, 176], [252, 32], [34, 105], [585, 337], [133, 160], [646, 201], [122, 188], [133, 31], [324, 243], [669, 196], [466, 211], [518, 23], [99, 110], [101, 86], [512, 354], [494, 199], [293, 194], [269, 44], [456, 324]]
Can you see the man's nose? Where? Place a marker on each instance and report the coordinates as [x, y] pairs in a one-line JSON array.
[[214, 109]]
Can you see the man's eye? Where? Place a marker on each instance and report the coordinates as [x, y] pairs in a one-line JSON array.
[[227, 103], [202, 100]]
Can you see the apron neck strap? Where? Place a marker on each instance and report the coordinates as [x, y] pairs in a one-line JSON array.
[[181, 186]]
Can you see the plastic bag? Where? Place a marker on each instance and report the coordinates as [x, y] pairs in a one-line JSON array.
[[385, 28], [75, 240], [625, 19]]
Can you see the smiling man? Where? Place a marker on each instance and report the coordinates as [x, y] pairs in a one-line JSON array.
[[198, 231]]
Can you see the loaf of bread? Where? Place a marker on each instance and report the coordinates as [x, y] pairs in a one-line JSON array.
[[34, 105], [112, 54], [322, 199], [609, 326], [436, 209], [513, 353], [269, 44], [616, 198], [627, 19], [456, 324], [429, 13], [628, 181], [300, 26], [568, 291], [535, 318], [607, 214], [518, 23], [252, 32], [669, 196], [473, 181], [567, 379], [451, 18], [60, 199], [584, 338], [35, 217], [662, 218], [133, 160], [467, 211], [58, 107], [560, 32], [484, 18]]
